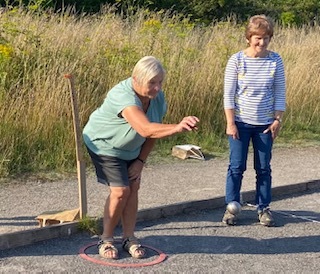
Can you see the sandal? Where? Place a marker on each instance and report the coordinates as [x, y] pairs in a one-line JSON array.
[[107, 249], [133, 247]]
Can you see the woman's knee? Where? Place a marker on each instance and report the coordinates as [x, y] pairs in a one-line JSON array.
[[265, 171], [135, 186], [237, 168], [120, 193]]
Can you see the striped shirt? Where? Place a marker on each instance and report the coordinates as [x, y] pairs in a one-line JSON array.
[[255, 87]]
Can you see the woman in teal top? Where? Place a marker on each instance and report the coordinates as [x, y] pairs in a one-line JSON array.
[[108, 133], [119, 136]]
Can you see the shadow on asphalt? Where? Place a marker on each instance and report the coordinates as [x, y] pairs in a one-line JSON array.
[[180, 244], [236, 245], [169, 235], [248, 216], [18, 221]]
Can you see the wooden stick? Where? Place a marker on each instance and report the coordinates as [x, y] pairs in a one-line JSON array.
[[81, 167]]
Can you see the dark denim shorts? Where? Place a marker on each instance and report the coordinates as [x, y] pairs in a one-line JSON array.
[[111, 170]]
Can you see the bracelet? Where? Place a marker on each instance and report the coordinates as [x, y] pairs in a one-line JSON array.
[[278, 119], [141, 160]]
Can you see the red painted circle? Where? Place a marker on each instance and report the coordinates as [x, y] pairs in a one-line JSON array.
[[162, 256]]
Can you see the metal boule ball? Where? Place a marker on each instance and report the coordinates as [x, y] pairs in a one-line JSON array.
[[234, 207]]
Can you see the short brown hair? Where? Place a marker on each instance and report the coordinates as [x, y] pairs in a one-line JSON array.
[[259, 24]]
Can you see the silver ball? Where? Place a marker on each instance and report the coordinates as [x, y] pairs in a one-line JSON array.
[[234, 207]]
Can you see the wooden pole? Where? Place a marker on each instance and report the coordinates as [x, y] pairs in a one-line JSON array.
[[81, 167]]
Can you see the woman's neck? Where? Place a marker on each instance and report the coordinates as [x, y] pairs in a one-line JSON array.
[[253, 54]]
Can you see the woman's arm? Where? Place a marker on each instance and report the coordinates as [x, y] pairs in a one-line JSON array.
[[279, 88], [231, 129], [146, 149], [230, 85], [136, 168], [140, 123]]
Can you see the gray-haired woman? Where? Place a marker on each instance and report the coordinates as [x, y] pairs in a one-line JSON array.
[[119, 136]]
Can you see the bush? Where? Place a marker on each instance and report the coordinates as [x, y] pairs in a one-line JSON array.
[[100, 50]]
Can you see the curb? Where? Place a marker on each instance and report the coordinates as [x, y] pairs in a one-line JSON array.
[[27, 237], [217, 202]]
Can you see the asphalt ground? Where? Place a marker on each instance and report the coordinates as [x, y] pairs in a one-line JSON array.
[[193, 187], [177, 182], [194, 242]]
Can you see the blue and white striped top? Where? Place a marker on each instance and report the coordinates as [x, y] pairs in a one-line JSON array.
[[255, 87]]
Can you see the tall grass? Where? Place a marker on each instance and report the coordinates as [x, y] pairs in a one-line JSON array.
[[36, 129]]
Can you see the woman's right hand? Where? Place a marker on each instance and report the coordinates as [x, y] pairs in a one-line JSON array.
[[232, 130], [188, 123]]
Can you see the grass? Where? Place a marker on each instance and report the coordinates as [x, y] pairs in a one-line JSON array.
[[90, 224], [37, 49]]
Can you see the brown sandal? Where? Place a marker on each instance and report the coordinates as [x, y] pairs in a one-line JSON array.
[[106, 247], [133, 247]]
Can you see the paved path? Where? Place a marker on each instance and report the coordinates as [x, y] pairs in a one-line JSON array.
[[196, 242], [169, 188]]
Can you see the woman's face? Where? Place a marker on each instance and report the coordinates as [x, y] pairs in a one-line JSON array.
[[151, 88], [259, 43]]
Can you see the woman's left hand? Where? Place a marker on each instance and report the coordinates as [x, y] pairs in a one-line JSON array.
[[274, 128], [135, 170]]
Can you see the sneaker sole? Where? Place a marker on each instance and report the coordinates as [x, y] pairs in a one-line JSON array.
[[229, 223], [267, 224]]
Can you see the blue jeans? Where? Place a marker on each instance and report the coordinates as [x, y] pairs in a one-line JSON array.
[[262, 147]]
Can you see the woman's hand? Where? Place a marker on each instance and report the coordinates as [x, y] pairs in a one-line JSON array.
[[135, 170], [274, 128], [188, 123], [232, 130]]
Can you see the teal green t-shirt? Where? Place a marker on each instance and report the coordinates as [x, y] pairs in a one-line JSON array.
[[107, 133]]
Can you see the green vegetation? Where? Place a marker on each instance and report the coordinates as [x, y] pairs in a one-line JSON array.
[[37, 49], [89, 224], [288, 12]]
